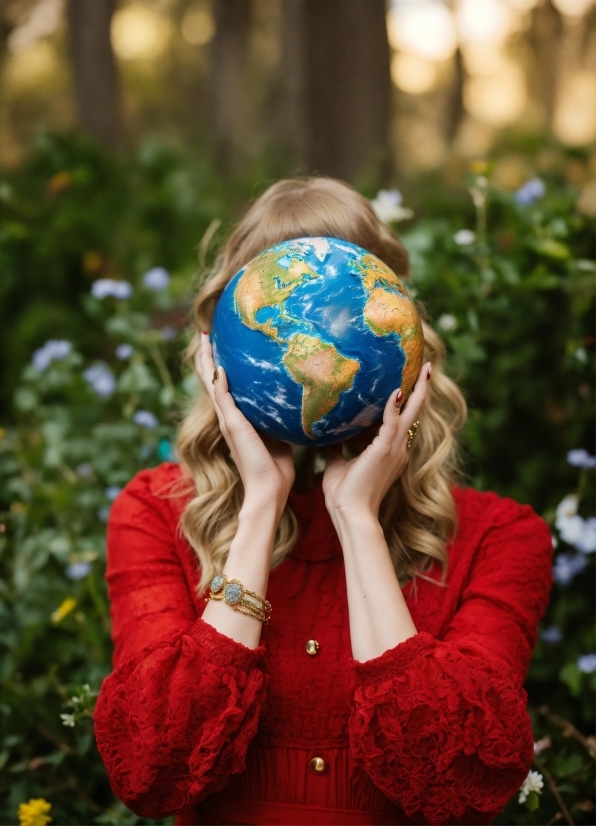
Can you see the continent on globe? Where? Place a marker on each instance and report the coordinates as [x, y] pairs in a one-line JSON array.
[[323, 373], [265, 283], [389, 309], [314, 335]]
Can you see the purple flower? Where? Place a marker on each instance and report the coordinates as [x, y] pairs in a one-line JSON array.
[[110, 288], [551, 634], [78, 570], [532, 191], [52, 350], [587, 663], [581, 458], [101, 379], [112, 492], [84, 470], [156, 279], [124, 351], [145, 418], [567, 567]]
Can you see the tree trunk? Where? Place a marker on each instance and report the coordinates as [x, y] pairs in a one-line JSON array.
[[95, 75], [545, 36], [229, 87], [338, 88]]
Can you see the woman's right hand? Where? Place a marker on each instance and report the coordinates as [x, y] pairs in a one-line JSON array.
[[266, 465]]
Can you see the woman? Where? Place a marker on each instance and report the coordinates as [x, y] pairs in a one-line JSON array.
[[387, 686]]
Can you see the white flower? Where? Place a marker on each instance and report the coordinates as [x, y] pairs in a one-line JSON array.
[[387, 206], [533, 783], [67, 720], [571, 529], [587, 541], [109, 287], [447, 322], [464, 237], [156, 279], [587, 663], [567, 506]]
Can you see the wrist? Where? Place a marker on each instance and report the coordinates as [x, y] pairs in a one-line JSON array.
[[355, 520]]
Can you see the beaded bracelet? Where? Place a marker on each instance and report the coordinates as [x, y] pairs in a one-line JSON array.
[[233, 592]]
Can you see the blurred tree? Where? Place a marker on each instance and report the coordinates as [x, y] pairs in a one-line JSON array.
[[545, 35], [229, 94], [95, 74], [336, 73]]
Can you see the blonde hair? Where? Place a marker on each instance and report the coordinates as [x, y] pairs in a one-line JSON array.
[[418, 514]]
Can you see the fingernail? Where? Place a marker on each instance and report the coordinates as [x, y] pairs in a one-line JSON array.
[[398, 398], [215, 377], [428, 374], [205, 333]]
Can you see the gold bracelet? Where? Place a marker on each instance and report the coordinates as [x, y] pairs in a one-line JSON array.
[[233, 592]]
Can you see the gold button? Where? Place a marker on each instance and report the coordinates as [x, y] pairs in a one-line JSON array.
[[312, 646], [317, 765]]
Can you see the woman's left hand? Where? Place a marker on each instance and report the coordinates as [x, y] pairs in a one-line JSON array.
[[358, 486]]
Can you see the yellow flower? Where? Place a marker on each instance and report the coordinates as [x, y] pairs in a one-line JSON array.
[[479, 167], [35, 813], [64, 609]]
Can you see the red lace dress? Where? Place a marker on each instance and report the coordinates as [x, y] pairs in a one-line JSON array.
[[433, 731]]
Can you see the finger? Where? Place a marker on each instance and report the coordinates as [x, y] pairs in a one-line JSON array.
[[388, 431], [233, 418], [411, 410]]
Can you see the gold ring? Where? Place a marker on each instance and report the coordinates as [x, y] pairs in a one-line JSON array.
[[411, 434]]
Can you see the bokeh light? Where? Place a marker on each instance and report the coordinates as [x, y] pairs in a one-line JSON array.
[[483, 21], [497, 99], [573, 8], [426, 29], [197, 26], [413, 74], [139, 33], [575, 114]]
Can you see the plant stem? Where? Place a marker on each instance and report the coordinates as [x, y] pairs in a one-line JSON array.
[[557, 795], [161, 367]]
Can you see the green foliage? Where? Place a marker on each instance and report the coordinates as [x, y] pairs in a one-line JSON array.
[[514, 304]]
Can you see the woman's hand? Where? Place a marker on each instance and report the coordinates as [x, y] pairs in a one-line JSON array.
[[266, 466], [357, 486]]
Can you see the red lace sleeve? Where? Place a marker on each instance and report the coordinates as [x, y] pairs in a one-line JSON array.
[[441, 727], [174, 720]]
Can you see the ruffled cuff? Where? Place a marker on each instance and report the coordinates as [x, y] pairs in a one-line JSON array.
[[394, 660]]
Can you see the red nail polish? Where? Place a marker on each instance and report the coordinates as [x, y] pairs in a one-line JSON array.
[[428, 374], [205, 332], [398, 398]]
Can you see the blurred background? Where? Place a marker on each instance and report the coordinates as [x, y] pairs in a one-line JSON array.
[[132, 136]]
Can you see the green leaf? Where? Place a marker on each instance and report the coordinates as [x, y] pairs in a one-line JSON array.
[[550, 248], [572, 677]]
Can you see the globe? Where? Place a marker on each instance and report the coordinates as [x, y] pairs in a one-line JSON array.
[[314, 335]]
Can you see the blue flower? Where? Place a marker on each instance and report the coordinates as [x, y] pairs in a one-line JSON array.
[[52, 350], [156, 279], [110, 288], [78, 570], [581, 458], [101, 380], [587, 663], [168, 333], [124, 351], [103, 513], [145, 418], [112, 492], [551, 634], [532, 191], [567, 567]]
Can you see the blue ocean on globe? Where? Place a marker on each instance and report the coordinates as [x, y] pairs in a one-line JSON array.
[[314, 335]]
